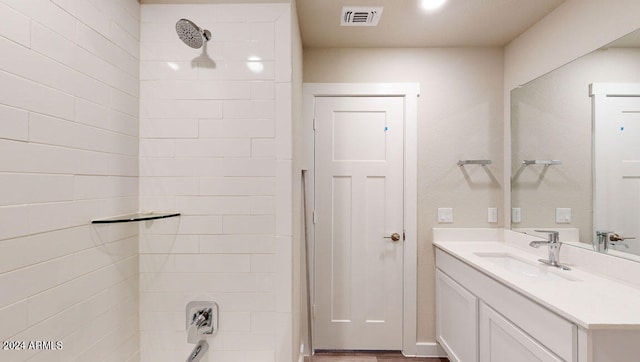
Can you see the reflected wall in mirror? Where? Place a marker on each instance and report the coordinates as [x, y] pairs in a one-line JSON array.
[[551, 120]]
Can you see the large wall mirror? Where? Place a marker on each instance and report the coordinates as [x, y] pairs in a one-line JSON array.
[[575, 150]]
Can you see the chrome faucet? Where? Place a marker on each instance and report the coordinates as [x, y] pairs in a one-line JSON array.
[[198, 351], [200, 324], [554, 248], [202, 321], [602, 240]]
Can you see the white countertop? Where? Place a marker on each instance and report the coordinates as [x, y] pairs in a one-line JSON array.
[[590, 301]]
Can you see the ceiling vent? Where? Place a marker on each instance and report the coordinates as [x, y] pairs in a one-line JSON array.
[[360, 16]]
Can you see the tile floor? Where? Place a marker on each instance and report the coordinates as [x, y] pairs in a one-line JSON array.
[[370, 357]]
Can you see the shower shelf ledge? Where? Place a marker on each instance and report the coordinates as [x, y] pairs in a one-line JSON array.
[[139, 216]]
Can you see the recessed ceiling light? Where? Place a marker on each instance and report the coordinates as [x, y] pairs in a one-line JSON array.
[[431, 4]]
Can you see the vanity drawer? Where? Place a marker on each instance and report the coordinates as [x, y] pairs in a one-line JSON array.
[[554, 332]]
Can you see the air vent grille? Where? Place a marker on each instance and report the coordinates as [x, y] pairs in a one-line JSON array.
[[360, 16]]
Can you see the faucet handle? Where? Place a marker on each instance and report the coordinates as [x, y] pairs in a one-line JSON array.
[[201, 320], [554, 235]]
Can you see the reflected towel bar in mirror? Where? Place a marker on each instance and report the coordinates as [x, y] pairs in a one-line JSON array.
[[542, 162], [140, 216], [474, 162]]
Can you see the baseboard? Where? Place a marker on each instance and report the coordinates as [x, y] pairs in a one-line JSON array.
[[429, 349], [423, 349]]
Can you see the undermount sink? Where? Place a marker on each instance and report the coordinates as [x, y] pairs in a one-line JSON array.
[[531, 269]]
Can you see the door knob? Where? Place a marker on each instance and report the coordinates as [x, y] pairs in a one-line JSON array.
[[393, 237], [617, 237]]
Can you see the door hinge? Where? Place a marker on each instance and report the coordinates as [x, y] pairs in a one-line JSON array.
[[404, 235], [314, 123], [314, 218], [313, 311]]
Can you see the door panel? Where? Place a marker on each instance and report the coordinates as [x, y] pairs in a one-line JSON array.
[[456, 319], [359, 201], [341, 245], [357, 136]]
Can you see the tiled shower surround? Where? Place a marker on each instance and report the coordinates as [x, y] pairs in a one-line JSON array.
[[103, 112], [215, 145], [69, 78]]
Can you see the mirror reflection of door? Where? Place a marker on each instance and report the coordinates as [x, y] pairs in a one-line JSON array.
[[616, 117]]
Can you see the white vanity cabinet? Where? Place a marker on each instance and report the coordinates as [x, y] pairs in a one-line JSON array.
[[480, 319], [456, 319], [502, 341], [497, 303]]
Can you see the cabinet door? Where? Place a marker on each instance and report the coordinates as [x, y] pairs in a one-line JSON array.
[[501, 341], [456, 319]]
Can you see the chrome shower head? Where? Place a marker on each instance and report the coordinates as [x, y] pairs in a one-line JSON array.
[[191, 34]]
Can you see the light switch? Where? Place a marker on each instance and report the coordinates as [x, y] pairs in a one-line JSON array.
[[445, 214], [492, 214], [563, 215], [516, 215]]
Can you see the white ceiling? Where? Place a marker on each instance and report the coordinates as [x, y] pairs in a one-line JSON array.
[[404, 24]]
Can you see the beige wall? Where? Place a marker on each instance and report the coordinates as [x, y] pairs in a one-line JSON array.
[[575, 28], [459, 117]]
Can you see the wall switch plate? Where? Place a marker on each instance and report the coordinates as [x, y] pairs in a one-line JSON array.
[[445, 214], [492, 214], [516, 215], [563, 215]]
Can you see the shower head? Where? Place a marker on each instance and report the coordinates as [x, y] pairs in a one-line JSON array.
[[191, 34]]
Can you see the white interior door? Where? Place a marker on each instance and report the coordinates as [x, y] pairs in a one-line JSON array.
[[617, 161], [359, 204]]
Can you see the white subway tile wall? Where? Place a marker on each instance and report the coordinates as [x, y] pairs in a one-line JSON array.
[[215, 145], [68, 154]]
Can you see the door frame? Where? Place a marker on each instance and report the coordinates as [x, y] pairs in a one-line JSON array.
[[410, 92]]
